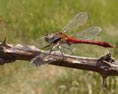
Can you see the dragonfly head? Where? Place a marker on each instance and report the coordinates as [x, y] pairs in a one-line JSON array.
[[52, 38]]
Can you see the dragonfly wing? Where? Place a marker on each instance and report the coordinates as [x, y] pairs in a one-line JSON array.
[[89, 33], [40, 43], [38, 60], [78, 20]]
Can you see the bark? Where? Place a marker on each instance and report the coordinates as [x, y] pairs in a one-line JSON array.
[[105, 65]]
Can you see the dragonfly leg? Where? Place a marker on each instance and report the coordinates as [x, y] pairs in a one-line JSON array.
[[59, 48], [52, 46], [46, 46]]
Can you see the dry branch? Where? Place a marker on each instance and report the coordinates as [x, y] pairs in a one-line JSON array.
[[104, 65]]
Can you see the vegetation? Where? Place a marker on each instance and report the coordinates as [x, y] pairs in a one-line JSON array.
[[22, 21]]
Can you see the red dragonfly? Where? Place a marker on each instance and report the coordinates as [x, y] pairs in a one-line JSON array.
[[59, 38]]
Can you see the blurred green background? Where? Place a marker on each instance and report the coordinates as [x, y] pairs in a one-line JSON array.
[[22, 21]]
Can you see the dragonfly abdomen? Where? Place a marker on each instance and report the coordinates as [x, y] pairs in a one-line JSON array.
[[99, 43]]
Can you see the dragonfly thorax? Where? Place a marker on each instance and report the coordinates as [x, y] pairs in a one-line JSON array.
[[52, 38]]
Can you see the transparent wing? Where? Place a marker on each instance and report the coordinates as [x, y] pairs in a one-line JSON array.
[[89, 33], [78, 20], [40, 42], [41, 60]]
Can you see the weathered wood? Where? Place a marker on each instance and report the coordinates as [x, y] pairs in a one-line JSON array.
[[104, 65]]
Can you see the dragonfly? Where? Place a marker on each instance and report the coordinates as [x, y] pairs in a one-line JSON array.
[[56, 40], [59, 38]]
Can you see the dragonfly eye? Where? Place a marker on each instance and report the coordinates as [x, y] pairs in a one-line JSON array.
[[49, 38]]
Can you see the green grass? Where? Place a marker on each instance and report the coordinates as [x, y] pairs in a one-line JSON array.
[[22, 21]]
